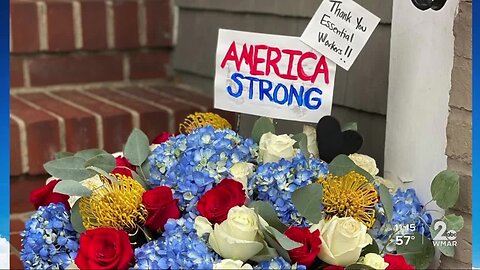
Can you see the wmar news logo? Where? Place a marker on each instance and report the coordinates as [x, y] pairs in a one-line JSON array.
[[444, 238]]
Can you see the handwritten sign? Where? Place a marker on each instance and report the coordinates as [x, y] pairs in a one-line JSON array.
[[273, 76], [339, 30]]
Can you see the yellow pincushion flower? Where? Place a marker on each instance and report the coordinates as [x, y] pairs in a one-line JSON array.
[[198, 120], [114, 205], [350, 195]]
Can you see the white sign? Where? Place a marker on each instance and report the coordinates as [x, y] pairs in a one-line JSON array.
[[273, 76], [339, 30]]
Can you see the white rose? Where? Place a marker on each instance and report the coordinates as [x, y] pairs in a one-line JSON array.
[[272, 148], [231, 264], [311, 134], [202, 226], [365, 162], [90, 183], [375, 261], [342, 240], [241, 171], [237, 237], [4, 254]]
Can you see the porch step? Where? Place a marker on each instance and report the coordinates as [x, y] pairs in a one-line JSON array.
[[43, 123]]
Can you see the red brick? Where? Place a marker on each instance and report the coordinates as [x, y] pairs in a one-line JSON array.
[[16, 226], [94, 25], [24, 26], [181, 109], [126, 24], [61, 35], [149, 65], [20, 189], [181, 93], [43, 136], [15, 262], [153, 120], [16, 241], [80, 127], [75, 69], [15, 152], [117, 123], [159, 23], [16, 72]]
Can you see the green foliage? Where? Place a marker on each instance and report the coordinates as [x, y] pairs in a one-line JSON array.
[[262, 125], [285, 242], [342, 164], [76, 218], [72, 188], [358, 266], [372, 248], [386, 200], [419, 252], [137, 147], [445, 189], [266, 211], [68, 168], [105, 162], [60, 155], [308, 201], [301, 143], [89, 153], [453, 222]]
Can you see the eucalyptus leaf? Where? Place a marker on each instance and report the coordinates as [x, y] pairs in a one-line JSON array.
[[308, 201], [359, 266], [72, 188], [350, 126], [301, 143], [105, 162], [60, 155], [76, 218], [448, 251], [342, 164], [89, 153], [419, 252], [283, 240], [262, 125], [266, 254], [372, 248], [267, 212], [140, 180], [103, 173], [145, 170], [453, 222], [137, 147], [68, 168], [445, 189], [273, 243], [386, 199]]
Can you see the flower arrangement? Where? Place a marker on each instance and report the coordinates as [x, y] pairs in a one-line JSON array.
[[209, 198]]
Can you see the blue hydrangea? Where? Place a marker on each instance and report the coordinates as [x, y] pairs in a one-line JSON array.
[[407, 209], [275, 182], [277, 263], [192, 164], [49, 240], [178, 248]]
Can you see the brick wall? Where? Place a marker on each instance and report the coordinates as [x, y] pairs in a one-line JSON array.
[[459, 132], [85, 72], [55, 42]]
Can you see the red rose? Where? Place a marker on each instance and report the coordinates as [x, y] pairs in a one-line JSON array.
[[123, 167], [44, 196], [397, 262], [215, 203], [161, 206], [162, 137], [307, 253], [334, 267], [104, 248]]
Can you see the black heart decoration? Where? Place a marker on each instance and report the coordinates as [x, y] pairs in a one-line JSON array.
[[429, 4], [331, 141]]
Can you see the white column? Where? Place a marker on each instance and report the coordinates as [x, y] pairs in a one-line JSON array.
[[421, 61]]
